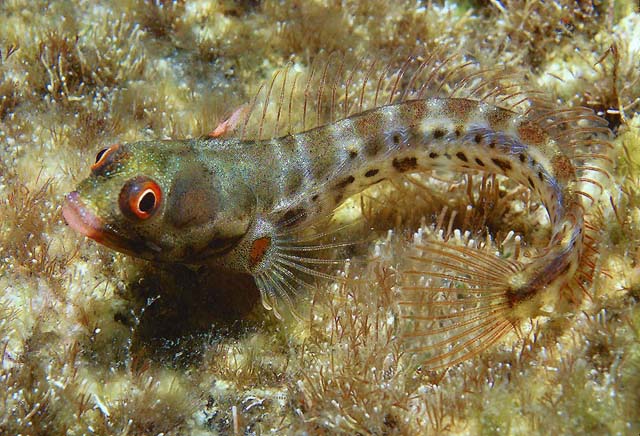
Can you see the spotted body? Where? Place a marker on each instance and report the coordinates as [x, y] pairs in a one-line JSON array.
[[233, 203]]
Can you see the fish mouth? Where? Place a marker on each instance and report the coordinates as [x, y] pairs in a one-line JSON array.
[[81, 219]]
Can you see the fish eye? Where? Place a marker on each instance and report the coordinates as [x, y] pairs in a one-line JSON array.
[[147, 201], [101, 157], [140, 198], [100, 154]]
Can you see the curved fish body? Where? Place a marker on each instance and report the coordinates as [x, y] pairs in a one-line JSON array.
[[232, 203]]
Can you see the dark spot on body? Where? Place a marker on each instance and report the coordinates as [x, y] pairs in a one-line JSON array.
[[522, 157], [293, 183], [372, 148], [397, 137], [353, 154], [460, 155], [492, 144], [320, 169], [533, 185], [540, 175], [315, 197], [477, 138], [345, 182], [479, 162], [458, 132], [439, 133], [406, 164], [504, 165], [433, 155], [371, 173], [292, 217]]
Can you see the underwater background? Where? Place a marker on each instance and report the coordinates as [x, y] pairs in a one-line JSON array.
[[96, 342]]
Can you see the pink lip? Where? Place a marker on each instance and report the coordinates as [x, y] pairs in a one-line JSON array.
[[82, 220]]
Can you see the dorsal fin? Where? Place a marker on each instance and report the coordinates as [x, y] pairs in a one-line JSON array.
[[298, 98]]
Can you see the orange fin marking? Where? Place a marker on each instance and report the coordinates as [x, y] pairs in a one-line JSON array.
[[258, 249]]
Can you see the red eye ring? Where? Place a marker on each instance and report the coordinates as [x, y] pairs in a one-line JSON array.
[[140, 198], [103, 155]]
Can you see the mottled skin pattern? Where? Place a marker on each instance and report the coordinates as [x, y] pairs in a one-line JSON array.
[[225, 200]]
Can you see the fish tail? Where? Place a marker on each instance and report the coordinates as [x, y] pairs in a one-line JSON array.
[[459, 297]]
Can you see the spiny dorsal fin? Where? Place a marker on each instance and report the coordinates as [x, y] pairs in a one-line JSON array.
[[300, 97]]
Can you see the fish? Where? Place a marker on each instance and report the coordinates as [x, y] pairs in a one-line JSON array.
[[244, 200]]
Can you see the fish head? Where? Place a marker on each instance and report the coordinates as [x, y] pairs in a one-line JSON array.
[[163, 201]]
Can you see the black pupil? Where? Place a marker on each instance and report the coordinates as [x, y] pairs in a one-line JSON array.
[[100, 154], [147, 202]]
